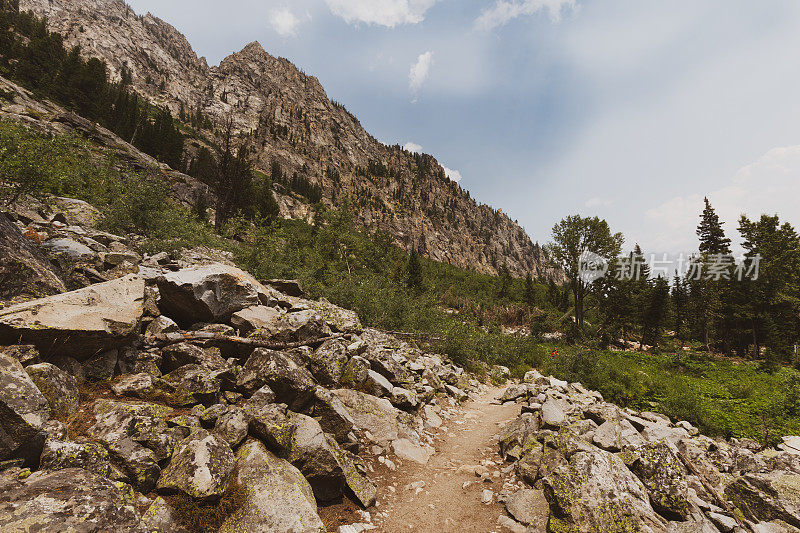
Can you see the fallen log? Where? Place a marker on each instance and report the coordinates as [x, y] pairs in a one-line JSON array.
[[167, 339], [707, 485]]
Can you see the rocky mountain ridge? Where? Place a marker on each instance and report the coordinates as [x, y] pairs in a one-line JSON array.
[[294, 123]]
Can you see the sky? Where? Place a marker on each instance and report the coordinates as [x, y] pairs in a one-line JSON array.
[[631, 110]]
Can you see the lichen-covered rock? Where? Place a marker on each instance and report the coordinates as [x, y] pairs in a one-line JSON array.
[[161, 518], [178, 355], [516, 435], [60, 454], [597, 492], [190, 385], [292, 383], [23, 410], [300, 440], [300, 325], [331, 414], [388, 364], [767, 496], [337, 318], [660, 470], [378, 416], [201, 467], [232, 426], [79, 323], [59, 388], [135, 385], [208, 293], [278, 497], [73, 499], [355, 373], [329, 360], [136, 436]]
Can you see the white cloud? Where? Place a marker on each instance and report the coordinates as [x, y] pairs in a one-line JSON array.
[[598, 202], [769, 185], [284, 22], [419, 71], [454, 175], [389, 13], [413, 147], [504, 11]]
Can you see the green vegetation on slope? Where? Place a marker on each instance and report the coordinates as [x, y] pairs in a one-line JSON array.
[[459, 312]]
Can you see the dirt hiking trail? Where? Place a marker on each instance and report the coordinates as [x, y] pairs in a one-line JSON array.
[[448, 494]]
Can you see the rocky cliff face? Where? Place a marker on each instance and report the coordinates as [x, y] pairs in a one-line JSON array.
[[293, 122]]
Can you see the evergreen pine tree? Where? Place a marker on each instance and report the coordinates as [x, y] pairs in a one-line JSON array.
[[655, 312], [711, 233], [414, 271], [530, 293]]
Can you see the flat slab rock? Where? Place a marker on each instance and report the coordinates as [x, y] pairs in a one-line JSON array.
[[80, 323]]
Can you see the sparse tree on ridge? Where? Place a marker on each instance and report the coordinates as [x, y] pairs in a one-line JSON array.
[[574, 236]]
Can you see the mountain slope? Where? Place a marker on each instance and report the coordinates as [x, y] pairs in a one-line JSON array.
[[294, 123]]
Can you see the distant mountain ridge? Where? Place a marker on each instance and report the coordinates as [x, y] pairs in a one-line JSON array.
[[295, 124]]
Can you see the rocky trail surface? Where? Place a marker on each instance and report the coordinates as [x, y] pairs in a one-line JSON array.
[[458, 488]]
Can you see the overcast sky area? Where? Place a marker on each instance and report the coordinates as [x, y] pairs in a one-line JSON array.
[[632, 110]]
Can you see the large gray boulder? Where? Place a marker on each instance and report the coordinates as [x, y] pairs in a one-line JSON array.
[[208, 293], [190, 385], [177, 355], [59, 388], [137, 438], [232, 426], [278, 497], [331, 414], [201, 467], [337, 318], [258, 317], [596, 490], [292, 383], [300, 440], [73, 499], [384, 422], [767, 496], [23, 410], [658, 467], [297, 326], [63, 454], [25, 271], [328, 361], [79, 323]]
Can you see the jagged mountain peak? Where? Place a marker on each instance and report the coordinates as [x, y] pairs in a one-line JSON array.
[[293, 122]]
